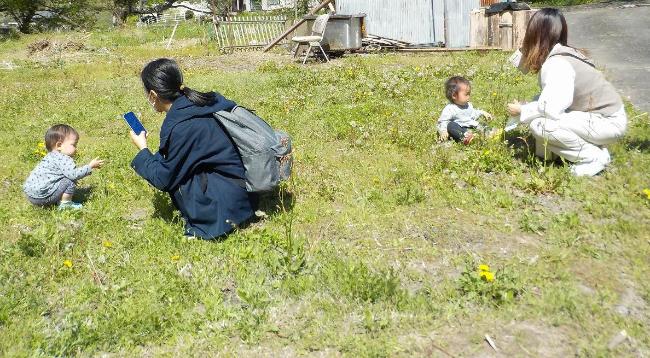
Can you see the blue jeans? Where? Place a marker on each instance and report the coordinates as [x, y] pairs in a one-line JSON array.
[[456, 131]]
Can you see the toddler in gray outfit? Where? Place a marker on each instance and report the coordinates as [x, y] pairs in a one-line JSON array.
[[459, 118], [54, 178]]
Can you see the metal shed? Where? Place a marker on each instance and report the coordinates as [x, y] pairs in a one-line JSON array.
[[415, 21]]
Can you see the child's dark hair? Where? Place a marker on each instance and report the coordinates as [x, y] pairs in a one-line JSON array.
[[58, 133], [165, 78], [452, 86]]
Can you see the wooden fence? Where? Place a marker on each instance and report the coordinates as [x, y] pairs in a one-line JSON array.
[[249, 32]]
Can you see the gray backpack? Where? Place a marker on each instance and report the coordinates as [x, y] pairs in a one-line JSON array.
[[265, 152]]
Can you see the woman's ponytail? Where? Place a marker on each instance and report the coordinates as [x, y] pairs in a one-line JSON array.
[[165, 78], [199, 98]]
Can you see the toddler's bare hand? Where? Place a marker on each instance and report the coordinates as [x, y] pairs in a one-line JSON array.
[[96, 163], [487, 115], [443, 136]]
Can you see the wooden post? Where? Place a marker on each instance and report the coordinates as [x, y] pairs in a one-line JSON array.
[[295, 26], [505, 30], [519, 24], [478, 28], [169, 43]]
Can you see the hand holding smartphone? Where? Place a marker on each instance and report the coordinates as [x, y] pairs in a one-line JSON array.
[[134, 123]]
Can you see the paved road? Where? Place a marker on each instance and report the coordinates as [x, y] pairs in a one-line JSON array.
[[619, 41]]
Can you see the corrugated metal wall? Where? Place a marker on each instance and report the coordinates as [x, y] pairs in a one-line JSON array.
[[457, 14], [404, 20], [415, 21]]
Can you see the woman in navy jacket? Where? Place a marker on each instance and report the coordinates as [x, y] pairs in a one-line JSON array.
[[197, 163]]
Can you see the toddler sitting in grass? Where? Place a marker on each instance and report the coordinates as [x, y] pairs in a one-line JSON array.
[[54, 178], [459, 117]]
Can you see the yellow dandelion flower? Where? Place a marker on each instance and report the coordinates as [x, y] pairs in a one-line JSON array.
[[647, 192], [41, 144], [487, 276], [176, 257], [484, 267], [494, 93], [67, 263], [107, 244]]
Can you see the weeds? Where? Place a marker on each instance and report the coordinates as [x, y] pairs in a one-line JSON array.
[[496, 288]]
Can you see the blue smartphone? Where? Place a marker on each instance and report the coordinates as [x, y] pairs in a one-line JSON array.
[[134, 123]]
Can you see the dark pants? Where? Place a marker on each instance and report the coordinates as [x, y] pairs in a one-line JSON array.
[[456, 131], [66, 186]]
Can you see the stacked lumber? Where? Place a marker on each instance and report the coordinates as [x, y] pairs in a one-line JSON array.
[[373, 42]]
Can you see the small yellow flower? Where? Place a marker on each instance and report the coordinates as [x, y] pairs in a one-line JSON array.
[[494, 93], [487, 276], [647, 192], [41, 145], [107, 244], [67, 263], [176, 257], [484, 267]]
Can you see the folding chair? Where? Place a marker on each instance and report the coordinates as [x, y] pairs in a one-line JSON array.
[[314, 40]]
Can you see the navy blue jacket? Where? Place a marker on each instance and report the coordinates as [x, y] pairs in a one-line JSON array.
[[196, 164]]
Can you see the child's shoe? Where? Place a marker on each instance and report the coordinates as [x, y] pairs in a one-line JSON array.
[[70, 205], [469, 137]]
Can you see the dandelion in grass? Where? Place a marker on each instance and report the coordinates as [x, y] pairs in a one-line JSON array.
[[484, 268], [40, 150], [176, 257], [487, 276], [67, 263], [107, 244], [646, 191]]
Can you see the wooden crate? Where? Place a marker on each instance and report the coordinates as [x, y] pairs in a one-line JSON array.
[[505, 30]]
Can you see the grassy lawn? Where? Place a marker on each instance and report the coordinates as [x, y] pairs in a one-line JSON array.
[[371, 250]]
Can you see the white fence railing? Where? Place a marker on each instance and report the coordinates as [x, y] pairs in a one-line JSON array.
[[248, 32]]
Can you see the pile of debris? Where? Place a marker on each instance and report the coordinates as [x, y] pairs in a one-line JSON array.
[[54, 46], [377, 43], [373, 43]]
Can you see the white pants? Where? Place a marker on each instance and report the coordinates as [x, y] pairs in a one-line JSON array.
[[577, 136]]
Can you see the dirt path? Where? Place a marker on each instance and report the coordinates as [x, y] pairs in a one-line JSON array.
[[618, 38]]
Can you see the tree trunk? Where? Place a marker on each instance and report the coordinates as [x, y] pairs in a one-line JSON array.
[[25, 21], [119, 16]]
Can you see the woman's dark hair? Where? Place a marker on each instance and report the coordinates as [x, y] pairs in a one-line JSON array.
[[165, 78], [58, 133], [452, 86], [545, 29]]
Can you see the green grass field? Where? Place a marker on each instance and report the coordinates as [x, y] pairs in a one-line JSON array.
[[372, 249]]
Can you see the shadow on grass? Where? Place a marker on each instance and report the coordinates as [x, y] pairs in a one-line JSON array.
[[162, 206], [642, 145], [273, 202], [83, 194], [524, 147]]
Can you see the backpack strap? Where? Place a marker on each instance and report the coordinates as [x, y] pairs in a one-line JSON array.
[[574, 56]]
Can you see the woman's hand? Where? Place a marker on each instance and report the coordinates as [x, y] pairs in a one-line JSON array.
[[514, 109], [140, 140]]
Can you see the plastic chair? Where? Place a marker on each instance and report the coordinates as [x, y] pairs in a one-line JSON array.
[[314, 40]]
